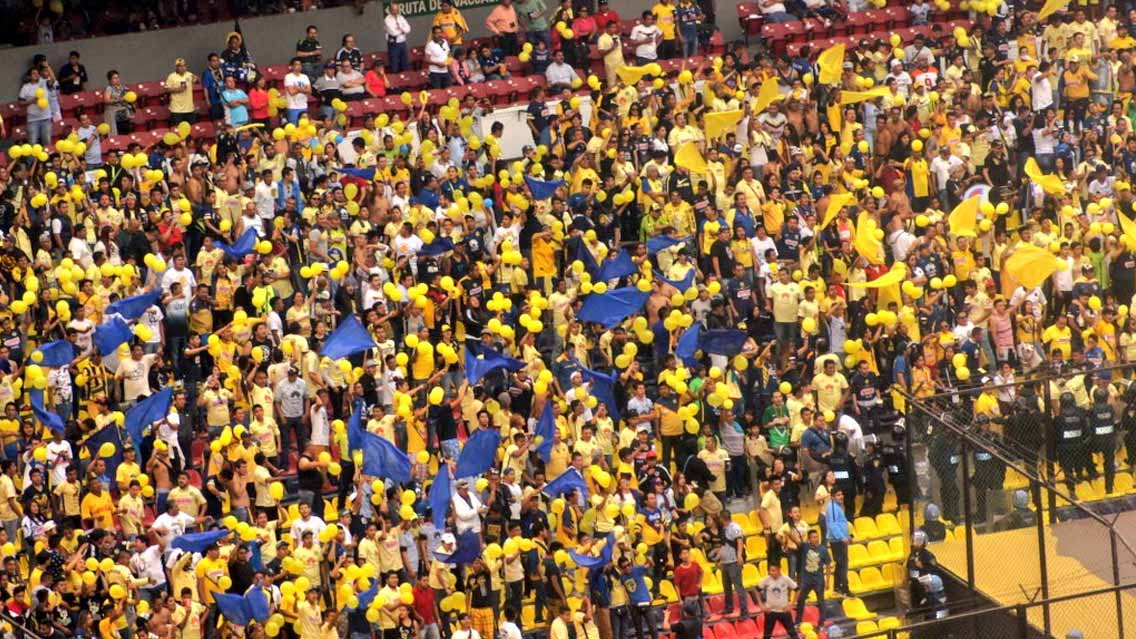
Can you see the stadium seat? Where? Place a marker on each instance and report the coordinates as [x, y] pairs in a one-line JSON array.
[[898, 549], [750, 575], [747, 629], [755, 547], [888, 525], [880, 552], [698, 557], [528, 617], [866, 528], [749, 19], [893, 574], [857, 23], [747, 525], [1124, 483], [866, 627], [854, 608], [666, 590], [887, 623], [858, 556], [724, 630], [715, 604], [854, 585], [871, 580], [711, 585]]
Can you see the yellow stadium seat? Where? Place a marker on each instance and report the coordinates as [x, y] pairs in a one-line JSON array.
[[696, 528], [711, 585], [898, 551], [1124, 483], [866, 627], [854, 584], [893, 574], [866, 528], [888, 525], [879, 551], [854, 608], [574, 603], [750, 576], [887, 623], [872, 580], [697, 556], [891, 502], [858, 555], [667, 590], [755, 547], [904, 519], [746, 524], [528, 617]]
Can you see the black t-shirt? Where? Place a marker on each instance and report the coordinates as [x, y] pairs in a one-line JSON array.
[[725, 255], [864, 387], [442, 416], [687, 629]]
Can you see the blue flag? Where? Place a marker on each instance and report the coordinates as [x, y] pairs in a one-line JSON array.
[[349, 338], [437, 247], [577, 250], [611, 308], [56, 354], [568, 480], [240, 610], [590, 561], [620, 266], [198, 542], [603, 387], [687, 344], [152, 409], [382, 459], [542, 190], [723, 341], [367, 596], [46, 417], [244, 245], [111, 334], [479, 453], [656, 244], [682, 284], [363, 174], [355, 428], [108, 434], [467, 547], [133, 307], [440, 495], [478, 366], [546, 428]]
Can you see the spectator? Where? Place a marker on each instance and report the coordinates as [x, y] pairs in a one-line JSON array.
[[605, 15], [213, 83], [502, 22], [327, 86], [236, 59], [33, 95], [451, 22], [119, 113], [310, 52], [774, 11], [351, 82], [72, 76], [179, 84], [258, 101], [376, 80], [398, 29], [297, 90], [492, 66], [689, 16], [646, 37], [838, 535], [349, 52], [236, 103], [664, 12], [437, 54], [534, 17], [559, 74], [610, 46]]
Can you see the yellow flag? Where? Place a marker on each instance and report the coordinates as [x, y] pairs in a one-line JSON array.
[[852, 97], [1031, 265], [891, 278], [1128, 226], [864, 240], [721, 122], [835, 117], [631, 75], [835, 203], [1051, 184], [690, 158], [766, 95], [964, 219], [1051, 7], [831, 64]]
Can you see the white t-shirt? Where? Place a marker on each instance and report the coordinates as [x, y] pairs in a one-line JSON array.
[[300, 99], [86, 329], [136, 376], [148, 565], [321, 427], [152, 319], [436, 54], [58, 458], [174, 525], [648, 50], [265, 198], [185, 277]]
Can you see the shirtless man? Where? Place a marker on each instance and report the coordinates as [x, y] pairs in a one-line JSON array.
[[236, 481], [159, 467]]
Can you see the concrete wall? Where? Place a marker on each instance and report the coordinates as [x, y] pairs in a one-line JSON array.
[[149, 56]]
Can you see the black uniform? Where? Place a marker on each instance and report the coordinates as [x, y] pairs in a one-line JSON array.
[[1103, 438], [989, 473], [1128, 425], [945, 457], [844, 467], [875, 486], [1072, 428], [894, 456]]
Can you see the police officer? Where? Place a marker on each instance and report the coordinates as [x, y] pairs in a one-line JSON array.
[[843, 466], [920, 563], [989, 473], [875, 486], [1103, 437], [1023, 426], [894, 456], [1128, 424], [945, 457], [1072, 430]]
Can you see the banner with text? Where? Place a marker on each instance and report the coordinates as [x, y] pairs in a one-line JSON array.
[[411, 8]]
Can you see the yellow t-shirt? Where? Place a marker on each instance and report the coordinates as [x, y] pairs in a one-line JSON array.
[[309, 620], [665, 18], [829, 389], [786, 299], [181, 101], [192, 617], [99, 508], [209, 572], [920, 177]]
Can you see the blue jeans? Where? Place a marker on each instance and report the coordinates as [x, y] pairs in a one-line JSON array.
[[780, 16], [731, 581], [810, 584], [439, 80], [398, 59], [39, 132], [291, 425], [293, 115], [689, 43]]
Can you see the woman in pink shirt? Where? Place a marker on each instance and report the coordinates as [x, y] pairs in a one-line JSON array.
[[1002, 330], [259, 100]]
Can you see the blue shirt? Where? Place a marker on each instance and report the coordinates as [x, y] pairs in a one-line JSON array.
[[636, 586], [836, 522], [237, 113]]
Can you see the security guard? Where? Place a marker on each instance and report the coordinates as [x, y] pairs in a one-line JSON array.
[[1104, 435], [1128, 424], [989, 473], [843, 466], [875, 486], [921, 563], [1072, 432], [945, 457], [894, 456]]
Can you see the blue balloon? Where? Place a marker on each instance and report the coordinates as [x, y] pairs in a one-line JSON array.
[[488, 203], [404, 149], [339, 139]]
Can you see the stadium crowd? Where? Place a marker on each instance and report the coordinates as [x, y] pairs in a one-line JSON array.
[[316, 381]]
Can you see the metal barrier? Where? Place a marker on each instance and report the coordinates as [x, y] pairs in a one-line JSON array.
[[1007, 470]]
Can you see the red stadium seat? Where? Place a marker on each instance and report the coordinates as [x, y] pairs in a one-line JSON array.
[[858, 22], [501, 92], [747, 629], [205, 129], [274, 73], [897, 16], [816, 28], [750, 19], [149, 92], [878, 19]]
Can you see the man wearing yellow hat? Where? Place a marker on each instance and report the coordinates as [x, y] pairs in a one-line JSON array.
[[179, 84]]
